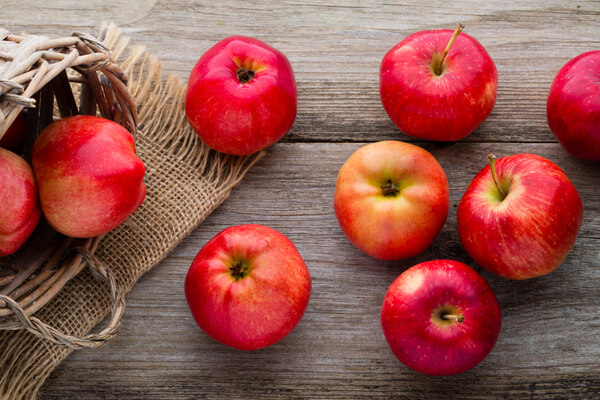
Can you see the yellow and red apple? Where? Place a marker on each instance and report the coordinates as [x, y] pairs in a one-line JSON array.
[[391, 199]]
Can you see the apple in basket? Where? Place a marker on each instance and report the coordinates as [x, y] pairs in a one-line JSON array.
[[241, 96], [391, 199], [438, 85], [248, 287], [20, 211], [89, 177]]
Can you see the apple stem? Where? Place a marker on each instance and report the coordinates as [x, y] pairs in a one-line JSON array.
[[492, 160], [458, 318], [389, 189], [459, 28], [238, 270], [245, 75]]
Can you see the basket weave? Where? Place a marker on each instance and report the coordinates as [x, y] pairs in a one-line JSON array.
[[54, 78]]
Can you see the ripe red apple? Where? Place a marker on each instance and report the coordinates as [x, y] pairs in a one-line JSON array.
[[14, 137], [440, 317], [520, 216], [89, 177], [241, 96], [573, 108], [248, 287], [391, 199], [437, 85], [20, 211]]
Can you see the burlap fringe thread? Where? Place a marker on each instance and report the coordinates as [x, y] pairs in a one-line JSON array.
[[185, 182]]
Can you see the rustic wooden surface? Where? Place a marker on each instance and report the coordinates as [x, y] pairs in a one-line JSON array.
[[549, 346]]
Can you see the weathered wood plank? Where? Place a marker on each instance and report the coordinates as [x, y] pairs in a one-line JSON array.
[[549, 345], [336, 50]]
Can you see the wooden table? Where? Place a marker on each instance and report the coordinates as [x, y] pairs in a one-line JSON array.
[[549, 346]]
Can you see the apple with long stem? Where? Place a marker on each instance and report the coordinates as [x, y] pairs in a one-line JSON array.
[[391, 199], [438, 85], [440, 317], [241, 96], [573, 107], [519, 216]]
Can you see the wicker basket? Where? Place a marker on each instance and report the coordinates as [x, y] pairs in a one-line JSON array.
[[50, 79]]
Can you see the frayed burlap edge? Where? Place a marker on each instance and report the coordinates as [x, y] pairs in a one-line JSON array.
[[185, 182]]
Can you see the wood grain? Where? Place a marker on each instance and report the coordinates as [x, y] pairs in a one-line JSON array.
[[336, 50], [549, 345]]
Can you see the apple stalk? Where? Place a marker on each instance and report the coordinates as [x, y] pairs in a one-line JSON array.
[[439, 66], [458, 318], [492, 160]]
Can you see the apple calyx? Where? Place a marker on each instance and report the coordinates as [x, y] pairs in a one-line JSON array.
[[458, 318], [390, 189], [245, 75], [438, 67], [239, 270], [492, 160]]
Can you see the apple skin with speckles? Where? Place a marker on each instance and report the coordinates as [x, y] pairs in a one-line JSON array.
[[445, 107], [241, 96], [20, 211], [89, 177], [573, 107], [530, 229], [248, 287], [440, 317], [391, 199]]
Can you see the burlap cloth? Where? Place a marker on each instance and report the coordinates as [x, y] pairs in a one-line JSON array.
[[185, 182]]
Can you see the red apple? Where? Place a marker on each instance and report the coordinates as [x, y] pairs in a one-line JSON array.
[[89, 177], [241, 96], [248, 287], [573, 107], [14, 137], [440, 317], [20, 211], [520, 216], [437, 85], [391, 199]]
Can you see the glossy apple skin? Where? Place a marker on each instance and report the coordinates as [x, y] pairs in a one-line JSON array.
[[241, 118], [391, 227], [412, 323], [259, 309], [573, 107], [14, 137], [20, 211], [442, 108], [89, 177], [531, 231]]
